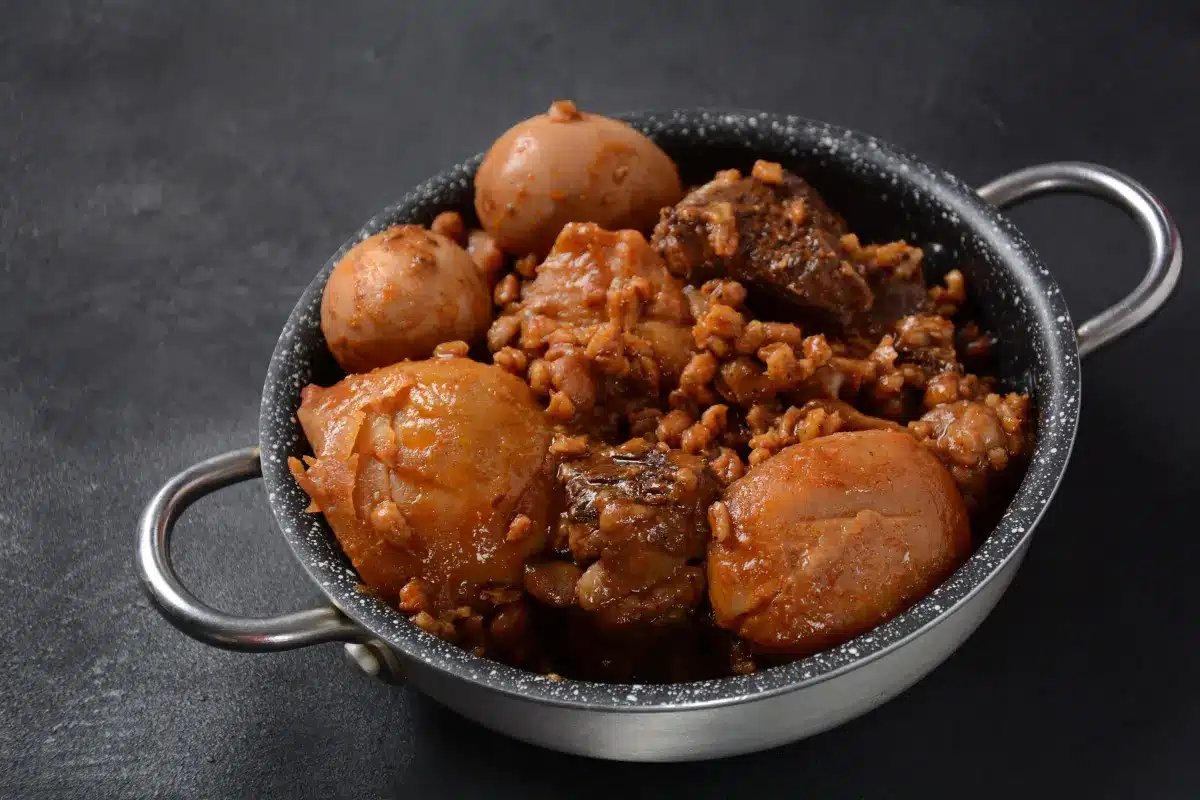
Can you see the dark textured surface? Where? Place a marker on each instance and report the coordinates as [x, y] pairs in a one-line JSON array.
[[173, 176]]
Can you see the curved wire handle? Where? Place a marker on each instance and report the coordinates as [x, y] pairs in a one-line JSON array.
[[191, 615], [1166, 249]]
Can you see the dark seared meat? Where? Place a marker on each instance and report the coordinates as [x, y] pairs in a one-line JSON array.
[[637, 495], [636, 515], [770, 231], [627, 599]]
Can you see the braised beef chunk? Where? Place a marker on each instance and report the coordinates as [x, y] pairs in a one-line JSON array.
[[770, 231], [636, 516], [630, 602], [637, 495]]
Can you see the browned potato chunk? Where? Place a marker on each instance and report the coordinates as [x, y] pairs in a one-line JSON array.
[[832, 537], [433, 470], [567, 166], [399, 294]]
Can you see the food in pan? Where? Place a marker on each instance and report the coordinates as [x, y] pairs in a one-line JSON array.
[[717, 431]]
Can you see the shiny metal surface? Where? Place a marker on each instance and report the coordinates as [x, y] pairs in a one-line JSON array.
[[1166, 249], [691, 732], [198, 620], [375, 659], [722, 729]]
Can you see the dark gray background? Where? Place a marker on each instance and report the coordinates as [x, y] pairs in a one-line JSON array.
[[172, 175]]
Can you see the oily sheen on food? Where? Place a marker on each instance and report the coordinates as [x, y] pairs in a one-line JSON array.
[[602, 425]]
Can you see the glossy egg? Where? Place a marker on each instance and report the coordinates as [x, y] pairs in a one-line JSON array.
[[399, 294], [568, 166]]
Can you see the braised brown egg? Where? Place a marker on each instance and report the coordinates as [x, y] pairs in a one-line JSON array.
[[568, 166], [399, 294], [832, 537], [434, 476]]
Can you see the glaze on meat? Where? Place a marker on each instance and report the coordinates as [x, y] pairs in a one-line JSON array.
[[772, 232]]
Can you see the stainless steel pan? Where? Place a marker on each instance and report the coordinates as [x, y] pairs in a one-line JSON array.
[[886, 194]]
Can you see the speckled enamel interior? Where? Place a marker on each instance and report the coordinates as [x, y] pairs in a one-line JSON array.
[[884, 194]]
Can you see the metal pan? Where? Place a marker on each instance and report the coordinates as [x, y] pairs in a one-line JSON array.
[[886, 194]]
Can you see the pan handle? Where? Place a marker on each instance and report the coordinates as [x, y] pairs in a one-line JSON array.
[[189, 614], [1166, 249]]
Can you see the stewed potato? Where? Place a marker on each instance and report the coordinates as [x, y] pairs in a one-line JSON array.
[[433, 471], [829, 538]]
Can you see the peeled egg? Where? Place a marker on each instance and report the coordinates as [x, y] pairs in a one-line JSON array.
[[568, 166], [399, 294]]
